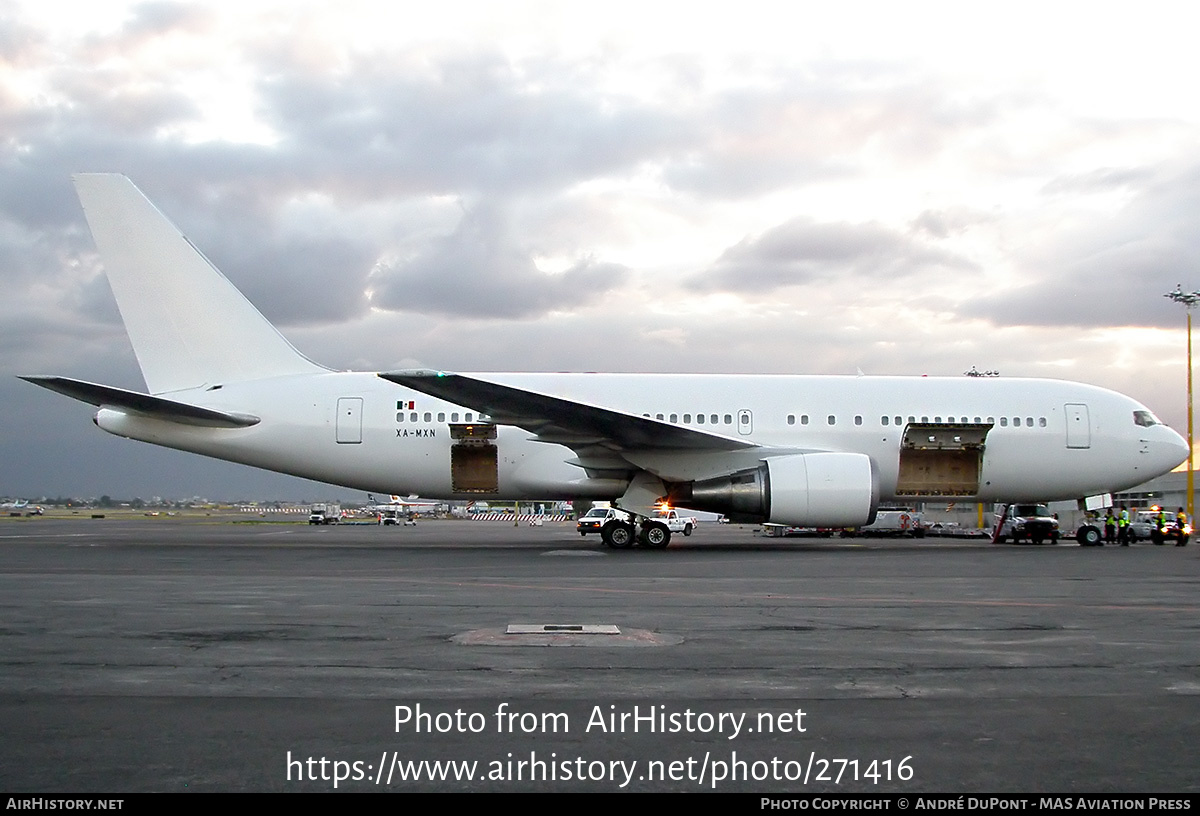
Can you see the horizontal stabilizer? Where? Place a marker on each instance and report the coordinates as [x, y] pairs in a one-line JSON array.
[[562, 421], [105, 396]]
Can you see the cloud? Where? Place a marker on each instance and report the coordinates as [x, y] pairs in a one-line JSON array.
[[459, 124], [803, 251], [480, 270], [1108, 268]]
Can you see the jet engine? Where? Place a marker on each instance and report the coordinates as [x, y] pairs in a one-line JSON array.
[[803, 489]]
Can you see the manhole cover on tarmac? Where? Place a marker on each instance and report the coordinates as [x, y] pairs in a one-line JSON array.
[[565, 635], [562, 628]]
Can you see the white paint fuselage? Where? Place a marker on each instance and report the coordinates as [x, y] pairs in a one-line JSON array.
[[298, 431]]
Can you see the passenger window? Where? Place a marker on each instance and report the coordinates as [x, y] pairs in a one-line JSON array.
[[441, 416], [977, 420], [454, 417], [429, 416], [858, 420], [1041, 422], [899, 420], [729, 419], [467, 418], [412, 417], [883, 420], [791, 420], [713, 419], [804, 419], [658, 416], [832, 419], [938, 420], [674, 417], [699, 419], [1028, 422], [399, 417], [687, 419], [1003, 422]]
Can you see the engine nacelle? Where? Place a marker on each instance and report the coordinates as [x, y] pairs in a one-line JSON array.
[[803, 489]]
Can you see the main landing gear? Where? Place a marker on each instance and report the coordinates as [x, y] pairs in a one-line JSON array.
[[621, 535]]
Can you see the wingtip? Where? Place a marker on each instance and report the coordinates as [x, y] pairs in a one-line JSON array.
[[414, 373]]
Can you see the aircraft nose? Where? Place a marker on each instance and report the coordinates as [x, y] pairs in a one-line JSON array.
[[1171, 449]]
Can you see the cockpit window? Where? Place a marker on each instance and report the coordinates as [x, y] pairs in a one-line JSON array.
[[1145, 419]]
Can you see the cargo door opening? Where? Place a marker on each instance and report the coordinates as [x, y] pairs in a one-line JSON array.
[[474, 460], [941, 460]]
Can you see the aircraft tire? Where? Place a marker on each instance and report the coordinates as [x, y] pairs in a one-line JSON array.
[[1088, 537], [656, 536], [618, 535]]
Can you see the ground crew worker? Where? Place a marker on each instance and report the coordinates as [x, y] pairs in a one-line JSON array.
[[1110, 526], [1123, 527], [1181, 521]]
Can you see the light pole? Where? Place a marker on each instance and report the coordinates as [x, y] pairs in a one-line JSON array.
[[1189, 300]]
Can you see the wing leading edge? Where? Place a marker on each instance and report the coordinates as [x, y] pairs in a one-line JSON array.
[[566, 422]]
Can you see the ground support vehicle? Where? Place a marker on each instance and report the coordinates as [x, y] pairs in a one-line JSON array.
[[675, 522], [325, 514], [1143, 526], [1027, 522], [593, 520], [788, 531], [1171, 530], [893, 521], [619, 529]]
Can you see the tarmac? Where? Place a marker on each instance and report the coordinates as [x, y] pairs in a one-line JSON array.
[[230, 654]]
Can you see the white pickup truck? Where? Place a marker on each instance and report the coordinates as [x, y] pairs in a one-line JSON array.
[[675, 522], [617, 527], [597, 517]]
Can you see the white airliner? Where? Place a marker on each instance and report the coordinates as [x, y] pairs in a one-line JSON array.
[[413, 504], [796, 450]]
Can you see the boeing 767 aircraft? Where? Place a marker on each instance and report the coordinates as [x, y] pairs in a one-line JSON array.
[[798, 450]]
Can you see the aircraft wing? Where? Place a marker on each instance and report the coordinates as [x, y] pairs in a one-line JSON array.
[[106, 396], [562, 421]]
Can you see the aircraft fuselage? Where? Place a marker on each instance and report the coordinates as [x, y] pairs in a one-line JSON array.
[[985, 439]]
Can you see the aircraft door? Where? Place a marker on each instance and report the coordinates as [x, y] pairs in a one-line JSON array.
[[745, 422], [349, 420], [1079, 427]]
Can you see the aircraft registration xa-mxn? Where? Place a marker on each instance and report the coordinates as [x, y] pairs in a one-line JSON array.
[[797, 450]]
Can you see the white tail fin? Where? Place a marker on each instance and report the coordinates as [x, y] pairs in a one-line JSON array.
[[188, 324]]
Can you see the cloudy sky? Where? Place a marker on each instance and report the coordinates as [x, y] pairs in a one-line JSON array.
[[897, 188]]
